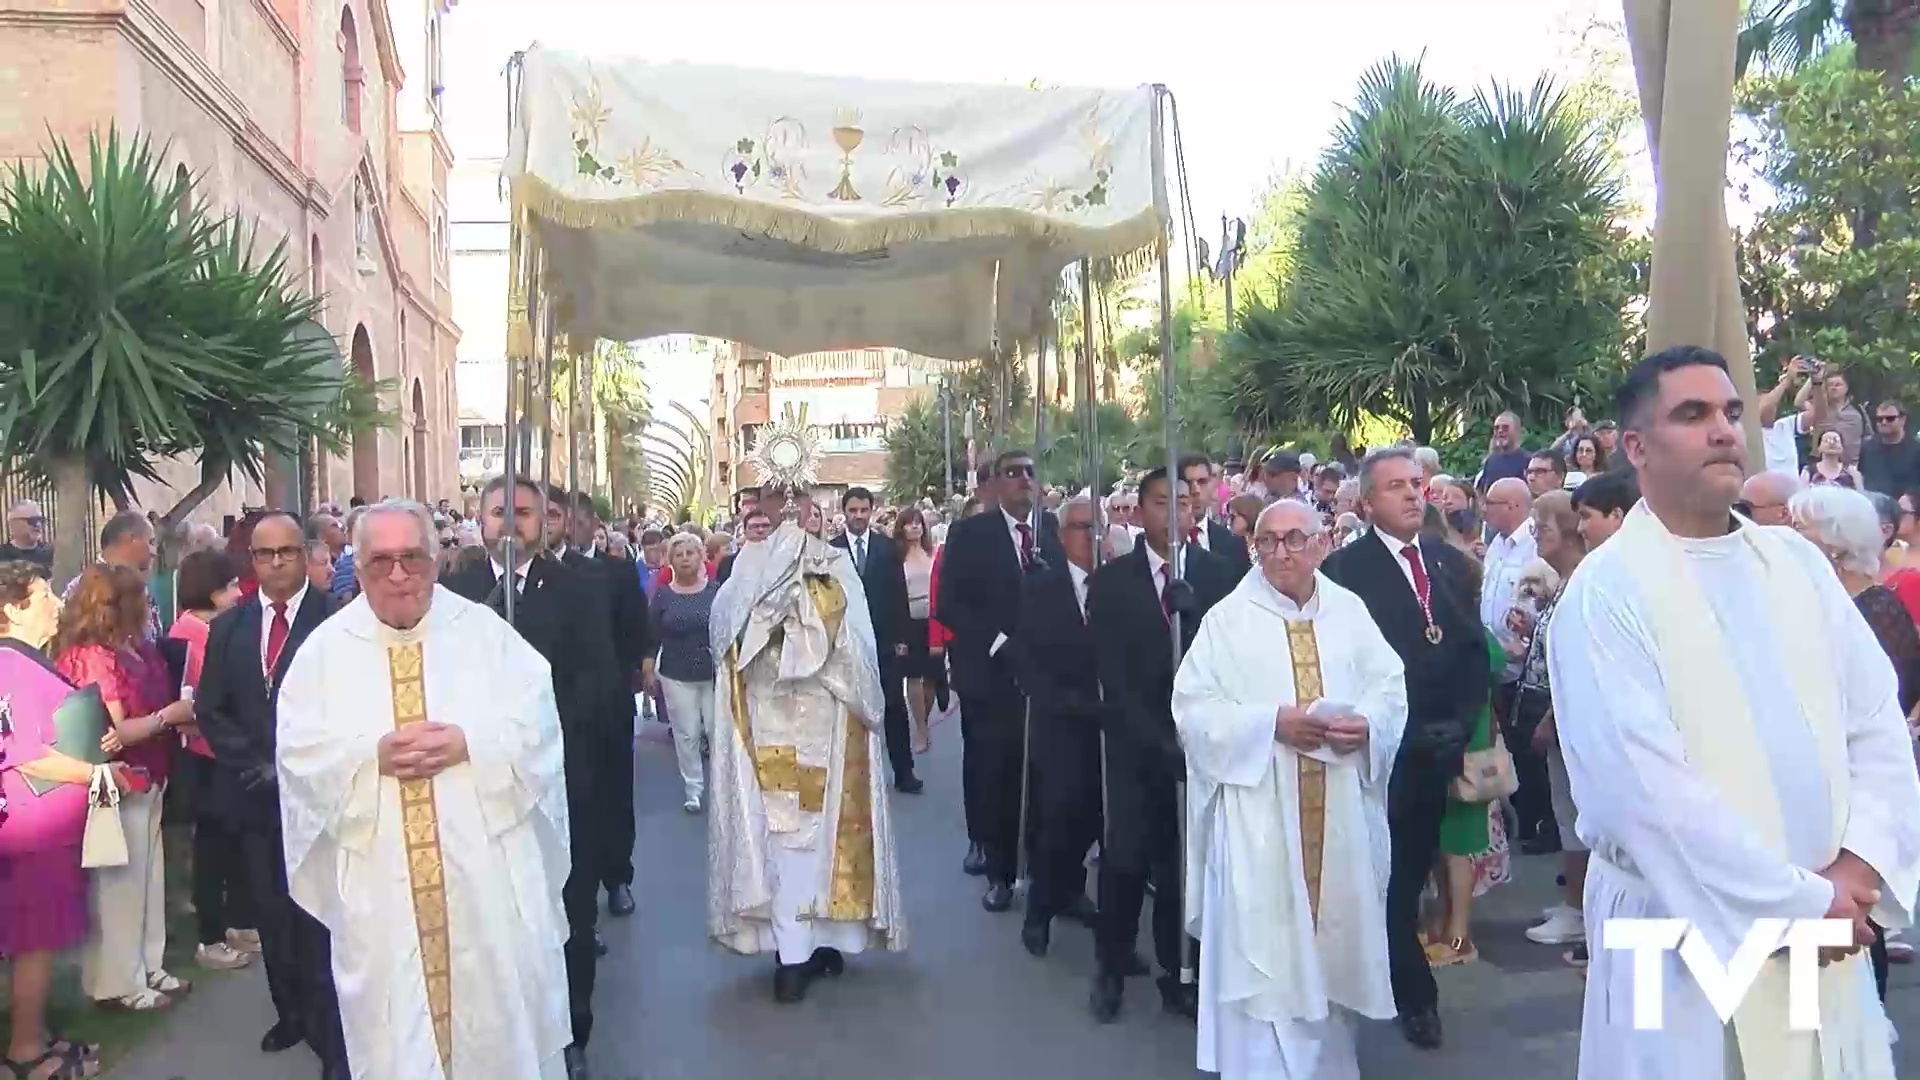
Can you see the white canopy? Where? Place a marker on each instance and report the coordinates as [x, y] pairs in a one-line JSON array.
[[801, 213]]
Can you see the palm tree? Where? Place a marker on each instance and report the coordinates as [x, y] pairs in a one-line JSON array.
[[1785, 34], [140, 326]]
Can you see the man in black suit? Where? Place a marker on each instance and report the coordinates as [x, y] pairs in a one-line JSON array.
[[1057, 670], [1132, 601], [249, 648], [876, 558], [1421, 595], [986, 557], [559, 613], [1205, 530], [631, 640]]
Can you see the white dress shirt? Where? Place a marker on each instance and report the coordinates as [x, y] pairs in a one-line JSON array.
[[1155, 562], [1507, 558], [1013, 529], [857, 547], [519, 578], [1079, 577], [1394, 548], [266, 615]]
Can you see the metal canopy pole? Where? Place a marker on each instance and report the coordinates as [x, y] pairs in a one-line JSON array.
[[946, 433], [573, 440], [510, 462], [1040, 395], [546, 425], [1090, 401]]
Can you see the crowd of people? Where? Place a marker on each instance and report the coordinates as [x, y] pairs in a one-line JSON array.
[[1543, 655]]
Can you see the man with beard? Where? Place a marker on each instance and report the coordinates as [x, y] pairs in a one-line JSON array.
[[1736, 750], [547, 612]]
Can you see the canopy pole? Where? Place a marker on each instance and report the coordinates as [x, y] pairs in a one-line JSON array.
[[1040, 395], [573, 439], [546, 422], [1091, 403], [510, 462]]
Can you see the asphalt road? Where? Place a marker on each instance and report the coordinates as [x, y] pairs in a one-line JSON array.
[[963, 1001]]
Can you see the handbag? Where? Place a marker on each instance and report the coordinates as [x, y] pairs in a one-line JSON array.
[[104, 844], [1486, 775]]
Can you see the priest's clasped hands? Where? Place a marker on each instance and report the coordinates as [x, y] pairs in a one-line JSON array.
[[1299, 728], [421, 751], [1856, 889]]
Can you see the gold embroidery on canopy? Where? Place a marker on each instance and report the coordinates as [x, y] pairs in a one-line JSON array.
[[420, 829], [1305, 650], [851, 899]]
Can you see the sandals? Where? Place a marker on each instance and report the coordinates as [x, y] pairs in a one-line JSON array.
[[73, 1064], [1456, 951], [164, 983], [138, 1001]]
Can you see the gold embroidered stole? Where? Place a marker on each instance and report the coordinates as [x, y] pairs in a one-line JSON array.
[[420, 825], [778, 769], [1305, 650]]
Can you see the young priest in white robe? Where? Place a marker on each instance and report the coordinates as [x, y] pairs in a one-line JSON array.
[[425, 810], [1735, 749], [1287, 770]]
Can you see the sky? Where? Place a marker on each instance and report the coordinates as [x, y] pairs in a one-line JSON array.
[[1258, 83]]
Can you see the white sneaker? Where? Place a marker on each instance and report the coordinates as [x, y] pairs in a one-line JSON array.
[[221, 956], [1552, 911], [692, 805], [1566, 926]]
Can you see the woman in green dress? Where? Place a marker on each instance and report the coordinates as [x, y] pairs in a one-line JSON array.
[[1473, 850]]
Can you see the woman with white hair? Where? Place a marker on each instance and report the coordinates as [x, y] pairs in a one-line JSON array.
[[680, 611], [1844, 525]]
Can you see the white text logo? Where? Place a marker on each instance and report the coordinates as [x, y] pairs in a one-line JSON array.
[[1725, 985]]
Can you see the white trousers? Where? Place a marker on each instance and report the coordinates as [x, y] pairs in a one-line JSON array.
[[690, 709], [1249, 1049], [795, 937], [127, 935]]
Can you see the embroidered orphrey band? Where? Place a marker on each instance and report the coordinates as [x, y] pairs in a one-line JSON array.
[[1305, 650], [426, 872]]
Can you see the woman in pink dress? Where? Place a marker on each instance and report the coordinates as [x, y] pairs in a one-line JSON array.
[[101, 644], [43, 890]]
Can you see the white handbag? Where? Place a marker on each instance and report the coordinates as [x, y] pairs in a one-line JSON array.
[[104, 844]]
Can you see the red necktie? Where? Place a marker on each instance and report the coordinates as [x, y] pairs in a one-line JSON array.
[[1166, 578], [276, 637], [1026, 544], [1193, 535], [1421, 587]]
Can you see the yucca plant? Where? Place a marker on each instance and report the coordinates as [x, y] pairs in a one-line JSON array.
[[136, 325], [1455, 257]]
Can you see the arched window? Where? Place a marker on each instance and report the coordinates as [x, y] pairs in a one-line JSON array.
[[352, 78]]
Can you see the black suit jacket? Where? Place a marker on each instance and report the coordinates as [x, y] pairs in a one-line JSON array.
[[980, 582], [885, 581], [725, 570], [1134, 652], [235, 705], [1447, 684], [559, 614], [618, 586], [1223, 545], [1054, 652]]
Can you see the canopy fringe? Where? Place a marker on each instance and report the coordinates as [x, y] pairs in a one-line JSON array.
[[1129, 243]]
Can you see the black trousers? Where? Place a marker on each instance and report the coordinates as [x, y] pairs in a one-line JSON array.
[[1123, 892], [1533, 802], [894, 721], [297, 949], [991, 730], [221, 899], [1063, 814], [1416, 801], [580, 897], [614, 791]]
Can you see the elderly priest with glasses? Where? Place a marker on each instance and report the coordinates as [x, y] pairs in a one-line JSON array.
[[1287, 767], [424, 802]]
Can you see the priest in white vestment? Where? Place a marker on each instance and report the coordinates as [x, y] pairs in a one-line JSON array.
[[1287, 771], [799, 839], [424, 803], [1735, 750]]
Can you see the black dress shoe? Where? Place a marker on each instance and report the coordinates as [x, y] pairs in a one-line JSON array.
[[790, 981], [908, 785], [997, 898], [620, 901], [575, 1056], [1081, 910], [1178, 998], [976, 861], [281, 1036], [599, 944], [1108, 991], [1422, 1029], [1036, 936]]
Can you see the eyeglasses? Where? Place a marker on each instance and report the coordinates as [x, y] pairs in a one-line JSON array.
[[1888, 418], [1294, 541], [414, 563], [36, 522], [1015, 472], [1077, 526], [279, 554]]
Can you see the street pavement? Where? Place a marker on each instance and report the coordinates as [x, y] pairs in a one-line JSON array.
[[964, 1000]]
